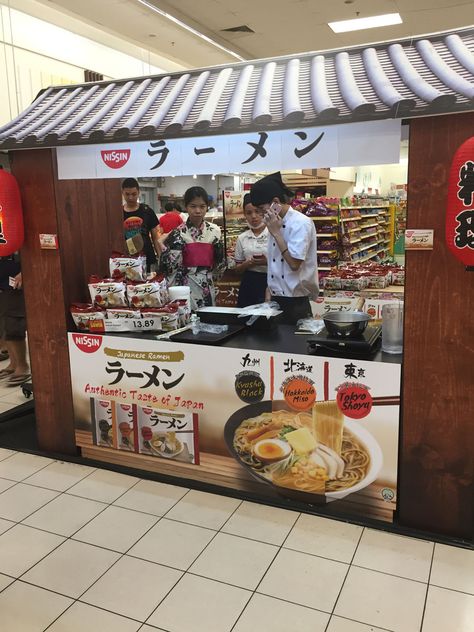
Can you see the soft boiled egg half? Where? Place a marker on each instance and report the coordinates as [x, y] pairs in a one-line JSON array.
[[271, 450]]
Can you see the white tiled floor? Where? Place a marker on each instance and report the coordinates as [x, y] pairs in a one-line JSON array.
[[86, 549]]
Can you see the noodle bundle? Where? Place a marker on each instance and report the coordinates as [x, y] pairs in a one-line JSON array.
[[338, 462]]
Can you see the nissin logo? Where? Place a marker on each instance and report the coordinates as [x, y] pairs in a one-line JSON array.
[[115, 159], [88, 344]]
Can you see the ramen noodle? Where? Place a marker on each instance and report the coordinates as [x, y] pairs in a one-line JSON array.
[[321, 468]]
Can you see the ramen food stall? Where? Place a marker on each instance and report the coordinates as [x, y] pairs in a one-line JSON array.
[[298, 97]]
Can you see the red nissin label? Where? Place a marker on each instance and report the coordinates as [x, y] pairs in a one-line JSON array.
[[115, 158], [88, 344]]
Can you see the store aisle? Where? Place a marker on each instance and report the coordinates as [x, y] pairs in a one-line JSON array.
[[89, 549]]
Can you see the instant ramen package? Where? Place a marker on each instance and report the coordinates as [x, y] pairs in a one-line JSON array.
[[103, 422], [168, 434], [83, 313], [130, 268], [123, 312], [126, 426], [107, 292], [146, 294]]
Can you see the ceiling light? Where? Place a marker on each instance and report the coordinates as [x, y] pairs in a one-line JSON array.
[[185, 26], [359, 24], [195, 177]]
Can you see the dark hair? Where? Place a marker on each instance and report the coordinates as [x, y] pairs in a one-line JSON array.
[[169, 207], [130, 183], [247, 200], [178, 208], [195, 192]]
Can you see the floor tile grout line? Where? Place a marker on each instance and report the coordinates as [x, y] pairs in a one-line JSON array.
[[38, 470], [375, 570], [345, 576], [66, 538], [369, 625], [63, 491], [461, 592], [193, 562], [268, 568], [422, 622]]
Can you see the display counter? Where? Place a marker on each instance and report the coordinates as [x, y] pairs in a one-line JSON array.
[[256, 414]]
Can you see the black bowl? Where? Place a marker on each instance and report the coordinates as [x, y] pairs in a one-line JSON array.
[[253, 410], [346, 324]]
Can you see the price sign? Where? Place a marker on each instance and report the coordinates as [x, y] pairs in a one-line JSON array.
[[132, 324]]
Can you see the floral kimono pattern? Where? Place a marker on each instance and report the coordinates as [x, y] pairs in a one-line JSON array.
[[198, 278]]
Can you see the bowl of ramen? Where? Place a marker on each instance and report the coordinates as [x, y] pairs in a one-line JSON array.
[[166, 444], [304, 454]]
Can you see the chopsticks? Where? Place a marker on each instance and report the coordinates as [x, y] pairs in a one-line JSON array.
[[389, 400]]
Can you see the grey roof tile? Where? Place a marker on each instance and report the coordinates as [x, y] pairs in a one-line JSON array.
[[406, 78]]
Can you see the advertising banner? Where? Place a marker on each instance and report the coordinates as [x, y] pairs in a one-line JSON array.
[[348, 144], [312, 428]]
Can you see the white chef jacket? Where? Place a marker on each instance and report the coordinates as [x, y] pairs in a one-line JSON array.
[[249, 244], [300, 237]]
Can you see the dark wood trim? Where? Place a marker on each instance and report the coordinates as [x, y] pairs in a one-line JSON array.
[[436, 462]]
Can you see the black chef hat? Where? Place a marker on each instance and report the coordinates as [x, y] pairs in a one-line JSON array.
[[269, 187]]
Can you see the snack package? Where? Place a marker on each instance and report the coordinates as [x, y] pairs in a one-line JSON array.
[[169, 314], [168, 434], [103, 422], [146, 418], [126, 426], [123, 312], [184, 311], [146, 294], [130, 268], [107, 292], [83, 313]]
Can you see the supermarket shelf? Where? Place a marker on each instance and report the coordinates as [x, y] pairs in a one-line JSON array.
[[354, 241], [324, 268], [362, 259], [370, 226], [321, 252], [368, 246], [351, 219], [353, 230], [371, 215], [374, 206], [320, 219], [326, 234], [366, 236]]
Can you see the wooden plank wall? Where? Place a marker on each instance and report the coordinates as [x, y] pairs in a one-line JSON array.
[[86, 217], [436, 464]]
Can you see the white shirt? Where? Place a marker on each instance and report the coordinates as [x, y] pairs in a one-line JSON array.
[[300, 237], [249, 244]]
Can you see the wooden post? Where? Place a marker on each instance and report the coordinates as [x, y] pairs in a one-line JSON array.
[[436, 457], [86, 217]]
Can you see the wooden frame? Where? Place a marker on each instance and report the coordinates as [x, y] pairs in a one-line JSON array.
[[436, 462]]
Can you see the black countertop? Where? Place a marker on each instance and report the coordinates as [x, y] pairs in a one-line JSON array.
[[281, 339]]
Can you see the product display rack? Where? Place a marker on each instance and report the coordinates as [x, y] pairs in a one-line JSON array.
[[366, 232]]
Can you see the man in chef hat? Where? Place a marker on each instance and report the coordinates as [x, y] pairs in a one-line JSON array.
[[292, 251]]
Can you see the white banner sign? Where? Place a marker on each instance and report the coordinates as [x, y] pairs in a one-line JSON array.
[[345, 145]]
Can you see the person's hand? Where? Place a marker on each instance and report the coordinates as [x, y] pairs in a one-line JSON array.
[[18, 282], [259, 260], [273, 220]]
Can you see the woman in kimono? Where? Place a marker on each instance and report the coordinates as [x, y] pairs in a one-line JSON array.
[[194, 251]]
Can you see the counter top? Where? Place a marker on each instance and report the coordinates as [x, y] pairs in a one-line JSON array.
[[280, 339]]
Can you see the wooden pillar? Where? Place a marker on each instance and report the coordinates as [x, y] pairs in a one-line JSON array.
[[437, 446], [87, 219]]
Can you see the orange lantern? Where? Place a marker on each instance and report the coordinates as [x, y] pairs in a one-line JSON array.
[[11, 215]]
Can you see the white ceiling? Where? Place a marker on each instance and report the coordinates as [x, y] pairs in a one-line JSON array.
[[280, 27]]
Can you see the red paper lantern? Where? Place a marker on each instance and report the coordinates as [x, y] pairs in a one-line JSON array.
[[11, 215], [460, 212]]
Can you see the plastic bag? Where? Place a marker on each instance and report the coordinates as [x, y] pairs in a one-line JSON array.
[[310, 325]]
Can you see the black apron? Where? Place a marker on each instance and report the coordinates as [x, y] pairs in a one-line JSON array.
[[252, 288]]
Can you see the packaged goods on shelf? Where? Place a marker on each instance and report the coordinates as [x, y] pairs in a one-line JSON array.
[[83, 313], [130, 268], [107, 292], [357, 277], [151, 293], [123, 312]]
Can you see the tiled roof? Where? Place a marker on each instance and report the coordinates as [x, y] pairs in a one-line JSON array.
[[421, 76]]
